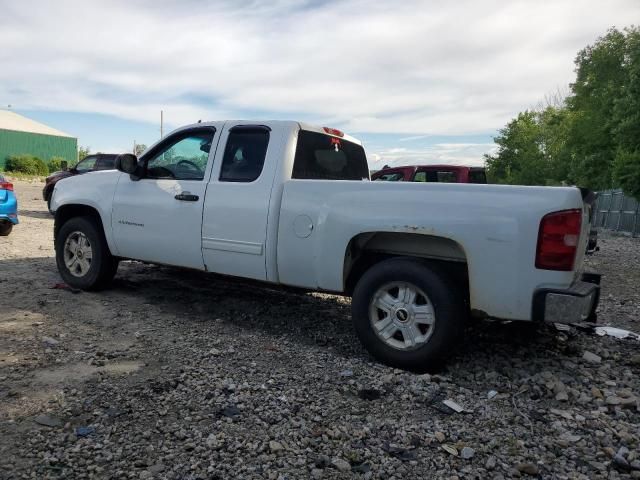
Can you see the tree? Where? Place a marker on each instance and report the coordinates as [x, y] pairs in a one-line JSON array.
[[83, 152], [592, 138], [140, 148]]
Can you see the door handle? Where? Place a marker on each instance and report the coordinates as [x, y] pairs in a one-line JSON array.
[[187, 197]]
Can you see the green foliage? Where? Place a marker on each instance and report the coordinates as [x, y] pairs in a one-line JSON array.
[[593, 139], [27, 164], [140, 148], [55, 164], [83, 152], [626, 171]]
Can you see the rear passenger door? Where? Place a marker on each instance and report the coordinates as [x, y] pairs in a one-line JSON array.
[[234, 227]]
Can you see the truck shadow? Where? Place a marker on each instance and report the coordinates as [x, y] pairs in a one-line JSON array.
[[198, 301], [310, 318]]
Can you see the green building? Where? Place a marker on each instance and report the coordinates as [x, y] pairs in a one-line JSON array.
[[20, 135]]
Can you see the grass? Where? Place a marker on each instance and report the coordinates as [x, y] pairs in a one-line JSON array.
[[22, 176]]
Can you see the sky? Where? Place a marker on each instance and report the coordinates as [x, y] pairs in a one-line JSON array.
[[417, 81]]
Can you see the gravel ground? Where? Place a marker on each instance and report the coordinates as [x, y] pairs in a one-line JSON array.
[[180, 375]]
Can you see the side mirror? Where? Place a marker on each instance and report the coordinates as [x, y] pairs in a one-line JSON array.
[[127, 163], [64, 165]]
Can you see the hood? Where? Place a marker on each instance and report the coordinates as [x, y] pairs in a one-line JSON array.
[[55, 176]]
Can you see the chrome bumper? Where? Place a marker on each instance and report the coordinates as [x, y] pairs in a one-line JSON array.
[[575, 304]]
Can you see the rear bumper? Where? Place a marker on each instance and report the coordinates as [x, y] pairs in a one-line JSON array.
[[11, 218], [9, 209], [577, 303]]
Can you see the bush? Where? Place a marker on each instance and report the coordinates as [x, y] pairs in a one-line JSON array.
[[27, 164], [55, 164]]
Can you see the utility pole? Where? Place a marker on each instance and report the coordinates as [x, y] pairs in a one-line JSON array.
[[134, 147], [161, 124]]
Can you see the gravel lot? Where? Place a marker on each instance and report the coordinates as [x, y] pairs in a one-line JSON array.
[[179, 375]]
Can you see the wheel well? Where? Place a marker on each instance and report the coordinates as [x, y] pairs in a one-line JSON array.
[[67, 212], [443, 254]]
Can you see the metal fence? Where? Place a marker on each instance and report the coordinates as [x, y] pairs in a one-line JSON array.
[[617, 211]]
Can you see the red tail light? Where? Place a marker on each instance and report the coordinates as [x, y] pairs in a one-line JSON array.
[[558, 239], [6, 186], [333, 131]]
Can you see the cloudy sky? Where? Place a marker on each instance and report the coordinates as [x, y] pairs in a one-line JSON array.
[[418, 81]]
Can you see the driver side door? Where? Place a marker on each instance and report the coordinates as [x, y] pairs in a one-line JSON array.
[[158, 218]]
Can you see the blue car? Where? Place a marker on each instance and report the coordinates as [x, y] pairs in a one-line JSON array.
[[8, 207]]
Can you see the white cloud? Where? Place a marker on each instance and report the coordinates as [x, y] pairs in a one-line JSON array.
[[414, 67], [436, 154]]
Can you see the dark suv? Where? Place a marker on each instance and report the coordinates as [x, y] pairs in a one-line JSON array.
[[90, 163]]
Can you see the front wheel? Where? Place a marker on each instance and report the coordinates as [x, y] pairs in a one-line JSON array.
[[83, 256], [406, 314]]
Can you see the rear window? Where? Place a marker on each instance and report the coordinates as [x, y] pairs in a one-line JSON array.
[[442, 176], [323, 157]]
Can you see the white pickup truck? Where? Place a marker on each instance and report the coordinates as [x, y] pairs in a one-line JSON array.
[[290, 203]]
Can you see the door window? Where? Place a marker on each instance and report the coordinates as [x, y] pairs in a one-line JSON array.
[[244, 154], [443, 176], [182, 157]]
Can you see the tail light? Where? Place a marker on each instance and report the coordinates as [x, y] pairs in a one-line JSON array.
[[333, 131], [6, 186], [558, 239]]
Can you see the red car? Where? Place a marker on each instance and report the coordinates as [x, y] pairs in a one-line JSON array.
[[432, 173]]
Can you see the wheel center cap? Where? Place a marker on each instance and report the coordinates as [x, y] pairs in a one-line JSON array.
[[402, 315], [79, 254]]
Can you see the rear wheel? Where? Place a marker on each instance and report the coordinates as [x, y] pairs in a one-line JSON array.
[[5, 229], [83, 256], [406, 314]]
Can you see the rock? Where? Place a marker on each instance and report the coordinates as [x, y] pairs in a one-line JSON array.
[[590, 357], [620, 462], [635, 465], [322, 461], [48, 421], [316, 473], [275, 447], [441, 437], [50, 342], [562, 396], [467, 453], [595, 391], [214, 352], [612, 400], [491, 394], [491, 463], [341, 465], [346, 373], [527, 468], [145, 474]]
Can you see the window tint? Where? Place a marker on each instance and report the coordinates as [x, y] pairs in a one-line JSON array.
[[244, 154], [391, 177], [477, 176], [436, 176], [323, 157], [86, 164], [182, 157]]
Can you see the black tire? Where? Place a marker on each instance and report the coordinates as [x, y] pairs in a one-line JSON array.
[[103, 265], [5, 229], [448, 309]]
